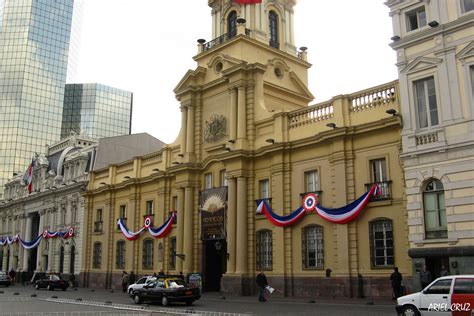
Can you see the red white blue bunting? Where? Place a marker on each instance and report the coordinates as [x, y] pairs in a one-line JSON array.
[[309, 204], [8, 240], [158, 232]]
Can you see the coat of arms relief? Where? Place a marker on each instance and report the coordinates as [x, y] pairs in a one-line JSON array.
[[215, 129]]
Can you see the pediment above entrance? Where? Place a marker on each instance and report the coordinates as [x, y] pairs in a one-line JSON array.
[[421, 63], [466, 52]]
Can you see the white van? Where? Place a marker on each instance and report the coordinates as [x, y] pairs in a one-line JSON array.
[[449, 295]]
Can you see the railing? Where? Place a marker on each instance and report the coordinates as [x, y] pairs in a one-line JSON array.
[[311, 114], [98, 227], [426, 138], [385, 190], [222, 39], [368, 99], [268, 200]]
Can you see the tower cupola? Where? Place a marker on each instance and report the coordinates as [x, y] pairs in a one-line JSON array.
[[269, 21]]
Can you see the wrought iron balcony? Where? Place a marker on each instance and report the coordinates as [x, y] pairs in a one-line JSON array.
[[98, 227], [385, 190], [222, 39]]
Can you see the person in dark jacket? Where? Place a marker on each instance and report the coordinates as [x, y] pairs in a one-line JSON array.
[[131, 278], [261, 283], [425, 277], [396, 278]]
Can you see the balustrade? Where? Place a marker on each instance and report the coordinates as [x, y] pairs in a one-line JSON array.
[[368, 99], [426, 139], [311, 114]]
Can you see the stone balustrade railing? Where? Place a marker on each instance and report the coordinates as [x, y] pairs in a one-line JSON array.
[[311, 114], [373, 97], [426, 138]]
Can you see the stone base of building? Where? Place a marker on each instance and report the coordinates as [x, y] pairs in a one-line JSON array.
[[313, 287]]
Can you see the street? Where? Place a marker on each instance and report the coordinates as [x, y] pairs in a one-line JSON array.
[[28, 301]]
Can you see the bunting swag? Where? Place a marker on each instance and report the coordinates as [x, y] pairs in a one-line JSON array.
[[347, 213], [158, 232], [338, 215], [8, 240], [309, 203]]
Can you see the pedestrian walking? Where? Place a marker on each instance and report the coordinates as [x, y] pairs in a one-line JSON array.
[[444, 271], [125, 280], [12, 275], [396, 278], [131, 278], [425, 277], [261, 283]]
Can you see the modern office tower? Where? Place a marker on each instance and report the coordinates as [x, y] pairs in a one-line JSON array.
[[96, 111], [34, 48]]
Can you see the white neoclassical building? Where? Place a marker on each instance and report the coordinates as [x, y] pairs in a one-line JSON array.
[[434, 42], [55, 202]]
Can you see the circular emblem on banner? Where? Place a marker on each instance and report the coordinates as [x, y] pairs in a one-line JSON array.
[[309, 202], [45, 234], [71, 231], [147, 222]]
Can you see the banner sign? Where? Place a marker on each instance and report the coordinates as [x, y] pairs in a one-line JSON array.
[[213, 213]]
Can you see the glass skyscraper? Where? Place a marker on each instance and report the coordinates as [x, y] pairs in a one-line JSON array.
[[34, 48], [96, 110]]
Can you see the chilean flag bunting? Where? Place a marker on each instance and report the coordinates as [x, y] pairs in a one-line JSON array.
[[158, 232], [340, 215]]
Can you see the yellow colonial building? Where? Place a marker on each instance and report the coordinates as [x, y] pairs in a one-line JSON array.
[[247, 134]]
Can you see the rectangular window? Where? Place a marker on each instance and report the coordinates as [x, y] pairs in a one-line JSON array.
[[174, 203], [98, 222], [97, 256], [172, 253], [99, 215], [264, 249], [426, 104], [313, 247], [123, 212], [120, 256], [149, 208], [378, 175], [311, 181], [147, 262], [381, 243], [208, 180], [264, 188], [223, 180], [416, 18], [467, 5]]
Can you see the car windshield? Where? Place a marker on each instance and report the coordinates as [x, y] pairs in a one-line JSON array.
[[54, 278]]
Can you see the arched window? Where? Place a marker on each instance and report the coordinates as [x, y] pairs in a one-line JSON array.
[[273, 25], [120, 255], [313, 256], [147, 262], [435, 210], [232, 24], [61, 259], [381, 243], [264, 249], [97, 255], [72, 260]]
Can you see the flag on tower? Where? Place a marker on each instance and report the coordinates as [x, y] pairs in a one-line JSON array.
[[244, 2], [28, 176]]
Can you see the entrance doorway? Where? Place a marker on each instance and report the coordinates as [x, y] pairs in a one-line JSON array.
[[215, 263], [433, 264]]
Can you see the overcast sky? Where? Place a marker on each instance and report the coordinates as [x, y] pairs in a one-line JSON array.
[[146, 47]]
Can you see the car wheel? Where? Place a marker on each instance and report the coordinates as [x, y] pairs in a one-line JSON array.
[[137, 299], [164, 301], [410, 310], [49, 288], [37, 286], [189, 302]]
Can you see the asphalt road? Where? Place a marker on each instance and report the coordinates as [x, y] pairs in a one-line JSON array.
[[105, 303]]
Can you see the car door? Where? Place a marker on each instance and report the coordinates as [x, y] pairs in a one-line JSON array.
[[436, 300], [462, 299]]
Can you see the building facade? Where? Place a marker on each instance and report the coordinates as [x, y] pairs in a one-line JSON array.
[[434, 41], [55, 202], [32, 80], [248, 134], [96, 110]]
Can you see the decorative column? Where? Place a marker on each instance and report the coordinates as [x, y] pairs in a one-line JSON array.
[[241, 249], [50, 244], [183, 134], [188, 230], [233, 114], [231, 225], [39, 254], [27, 237], [190, 131], [242, 114], [179, 236]]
